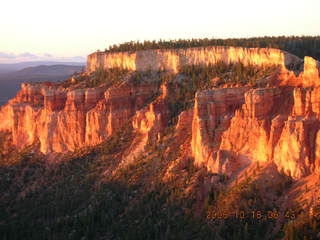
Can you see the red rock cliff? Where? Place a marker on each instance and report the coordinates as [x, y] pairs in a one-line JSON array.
[[174, 58], [272, 124], [231, 127], [64, 120]]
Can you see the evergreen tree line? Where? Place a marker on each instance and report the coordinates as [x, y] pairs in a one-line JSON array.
[[299, 46]]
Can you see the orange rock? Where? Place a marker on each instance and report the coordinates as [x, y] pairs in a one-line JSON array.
[[173, 59], [291, 151], [185, 120], [213, 111], [231, 127], [148, 123], [271, 125], [249, 131], [64, 120], [308, 77], [310, 74], [317, 153], [120, 103]]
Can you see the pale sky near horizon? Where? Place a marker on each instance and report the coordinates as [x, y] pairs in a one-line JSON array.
[[77, 27]]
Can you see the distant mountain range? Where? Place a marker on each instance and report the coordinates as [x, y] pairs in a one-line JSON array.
[[30, 57], [12, 75], [12, 67], [47, 70]]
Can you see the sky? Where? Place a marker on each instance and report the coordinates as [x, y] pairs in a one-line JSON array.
[[69, 28]]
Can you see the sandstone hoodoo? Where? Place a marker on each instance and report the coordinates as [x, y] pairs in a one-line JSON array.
[[232, 127], [172, 138]]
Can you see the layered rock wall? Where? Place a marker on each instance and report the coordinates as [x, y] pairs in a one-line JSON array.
[[66, 120], [213, 111], [231, 127], [172, 59], [279, 125]]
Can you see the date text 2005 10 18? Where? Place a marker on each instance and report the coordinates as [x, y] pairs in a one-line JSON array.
[[256, 214]]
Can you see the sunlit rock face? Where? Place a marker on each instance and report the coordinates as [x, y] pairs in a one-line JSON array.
[[64, 120], [248, 134], [213, 111], [296, 150], [308, 77], [290, 73], [148, 124], [154, 117], [311, 73], [229, 127], [273, 124], [185, 120], [317, 153], [175, 58], [119, 104]]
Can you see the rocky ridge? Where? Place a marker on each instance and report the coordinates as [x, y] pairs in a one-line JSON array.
[[173, 59], [231, 127]]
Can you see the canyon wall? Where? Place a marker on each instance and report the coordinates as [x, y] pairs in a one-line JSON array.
[[231, 127], [62, 120], [279, 125], [291, 71], [172, 59]]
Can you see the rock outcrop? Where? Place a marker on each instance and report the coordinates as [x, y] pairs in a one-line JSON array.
[[64, 120], [311, 72], [154, 117], [308, 77], [273, 124], [213, 111], [148, 124], [231, 127], [117, 107], [172, 59]]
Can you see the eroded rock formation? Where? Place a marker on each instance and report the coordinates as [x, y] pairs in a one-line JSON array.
[[273, 124], [175, 58], [64, 120], [291, 73], [231, 127]]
